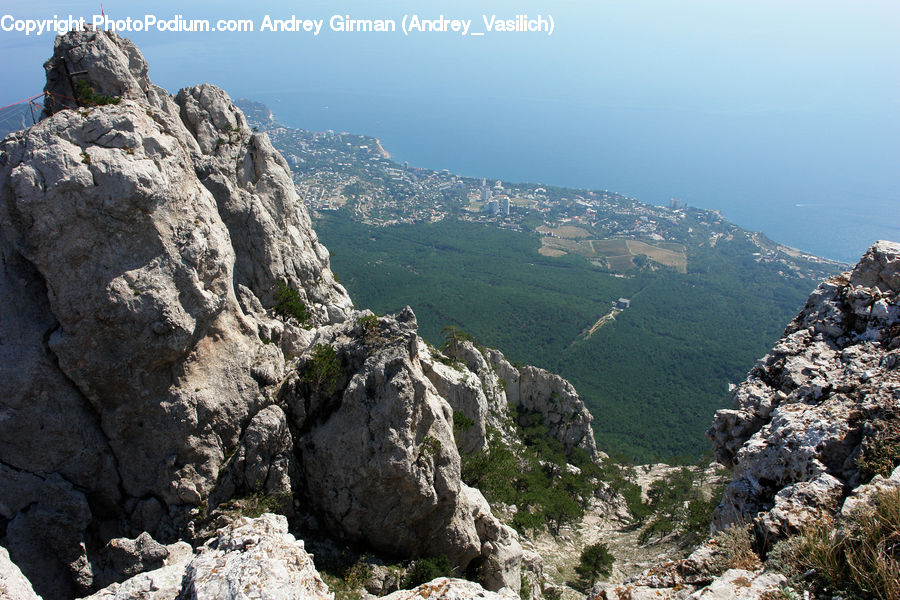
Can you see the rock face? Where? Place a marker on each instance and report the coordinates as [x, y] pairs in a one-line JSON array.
[[172, 339], [13, 585], [818, 406], [445, 588], [251, 558], [531, 391]]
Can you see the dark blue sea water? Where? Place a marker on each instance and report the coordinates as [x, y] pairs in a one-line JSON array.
[[785, 116]]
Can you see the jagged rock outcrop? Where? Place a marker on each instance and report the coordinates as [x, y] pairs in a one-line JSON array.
[[378, 457], [530, 390], [445, 588], [815, 409], [164, 583], [250, 558], [172, 340]]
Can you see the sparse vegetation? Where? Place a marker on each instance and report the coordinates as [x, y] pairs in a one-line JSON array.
[[323, 369], [735, 550], [288, 303], [424, 570], [524, 587], [859, 559], [84, 93], [369, 325], [532, 476], [453, 336], [678, 504], [461, 422], [881, 450], [258, 504], [431, 445]]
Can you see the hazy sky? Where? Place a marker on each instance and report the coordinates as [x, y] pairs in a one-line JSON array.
[[762, 108]]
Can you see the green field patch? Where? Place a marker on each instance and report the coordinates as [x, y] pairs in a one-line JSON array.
[[620, 263], [612, 247], [663, 256], [582, 247]]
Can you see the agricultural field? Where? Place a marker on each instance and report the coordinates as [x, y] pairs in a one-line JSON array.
[[615, 254]]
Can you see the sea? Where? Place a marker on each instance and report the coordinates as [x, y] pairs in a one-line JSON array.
[[783, 116]]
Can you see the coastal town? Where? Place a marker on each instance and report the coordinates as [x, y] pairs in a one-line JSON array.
[[354, 175]]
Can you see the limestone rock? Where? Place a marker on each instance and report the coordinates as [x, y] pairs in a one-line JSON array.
[[128, 557], [815, 404], [444, 588], [741, 585], [133, 363], [164, 583], [47, 540], [464, 391], [531, 390], [863, 498], [563, 412], [255, 558], [269, 227], [380, 462], [13, 585], [263, 461]]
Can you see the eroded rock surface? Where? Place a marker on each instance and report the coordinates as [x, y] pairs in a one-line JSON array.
[[817, 405], [445, 588]]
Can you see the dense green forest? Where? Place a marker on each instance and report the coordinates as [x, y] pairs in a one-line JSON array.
[[652, 377]]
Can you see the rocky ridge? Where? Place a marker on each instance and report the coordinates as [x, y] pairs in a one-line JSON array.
[[173, 336]]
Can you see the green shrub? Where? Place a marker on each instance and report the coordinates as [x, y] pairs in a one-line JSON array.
[[323, 369], [85, 94], [595, 561], [461, 422], [288, 303], [258, 504], [431, 445], [424, 570], [453, 336], [524, 587], [369, 326]]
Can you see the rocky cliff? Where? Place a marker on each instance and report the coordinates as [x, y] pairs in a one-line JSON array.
[[172, 341], [808, 423]]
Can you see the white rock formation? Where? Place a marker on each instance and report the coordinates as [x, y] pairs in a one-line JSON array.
[[444, 588], [250, 558], [810, 409], [13, 585]]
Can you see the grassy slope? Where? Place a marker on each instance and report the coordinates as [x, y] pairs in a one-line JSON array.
[[652, 378]]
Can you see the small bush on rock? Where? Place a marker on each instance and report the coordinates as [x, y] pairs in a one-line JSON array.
[[424, 570], [323, 369], [288, 303]]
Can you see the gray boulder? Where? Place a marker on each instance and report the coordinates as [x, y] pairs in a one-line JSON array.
[[255, 558]]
